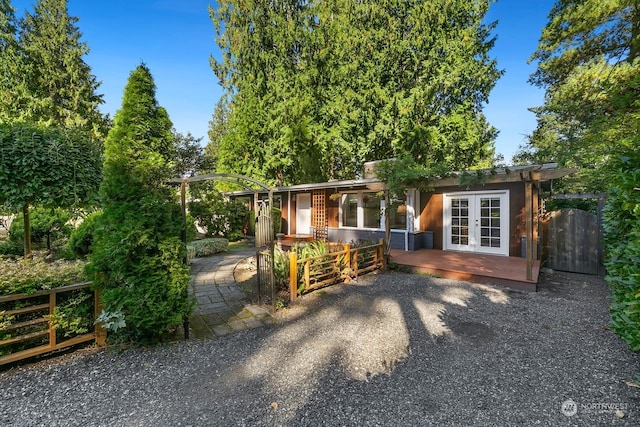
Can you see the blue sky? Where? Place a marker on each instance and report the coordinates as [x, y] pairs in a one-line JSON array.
[[176, 37]]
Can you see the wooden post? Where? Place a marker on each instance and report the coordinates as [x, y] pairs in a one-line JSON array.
[[185, 260], [601, 202], [52, 329], [307, 274], [293, 275], [100, 331], [529, 227], [382, 258], [536, 214], [347, 256]]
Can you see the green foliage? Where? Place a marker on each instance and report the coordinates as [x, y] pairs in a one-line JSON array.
[[206, 247], [588, 63], [47, 225], [137, 257], [47, 167], [315, 89], [34, 274], [50, 83], [220, 217], [7, 247], [74, 315], [622, 238], [81, 238]]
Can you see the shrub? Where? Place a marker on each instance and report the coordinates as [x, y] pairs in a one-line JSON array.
[[622, 238], [136, 258], [81, 238], [220, 218], [33, 274], [8, 247], [47, 225], [205, 247]]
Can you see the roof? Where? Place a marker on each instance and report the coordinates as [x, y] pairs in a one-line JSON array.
[[540, 173]]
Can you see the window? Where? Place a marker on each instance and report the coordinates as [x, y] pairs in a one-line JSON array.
[[371, 210], [350, 210], [398, 220]]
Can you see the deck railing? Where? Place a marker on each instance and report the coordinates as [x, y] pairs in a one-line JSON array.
[[30, 322], [316, 272]]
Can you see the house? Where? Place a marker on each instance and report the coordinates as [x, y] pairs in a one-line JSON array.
[[495, 216]]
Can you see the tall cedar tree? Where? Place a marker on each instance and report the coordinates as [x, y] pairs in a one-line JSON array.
[[316, 88], [10, 69], [137, 254], [56, 84], [588, 64]]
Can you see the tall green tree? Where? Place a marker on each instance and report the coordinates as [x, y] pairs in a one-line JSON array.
[[137, 254], [10, 60], [316, 88], [588, 64], [57, 86]]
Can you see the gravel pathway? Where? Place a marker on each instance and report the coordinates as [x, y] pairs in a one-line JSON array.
[[394, 349]]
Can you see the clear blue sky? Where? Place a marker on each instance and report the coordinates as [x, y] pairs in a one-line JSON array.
[[176, 37]]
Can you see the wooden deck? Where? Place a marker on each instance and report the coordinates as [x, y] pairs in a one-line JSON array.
[[477, 268]]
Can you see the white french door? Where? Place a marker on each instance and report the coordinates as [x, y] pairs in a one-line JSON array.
[[476, 222]]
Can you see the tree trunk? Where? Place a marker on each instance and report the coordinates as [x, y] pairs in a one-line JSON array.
[[27, 230]]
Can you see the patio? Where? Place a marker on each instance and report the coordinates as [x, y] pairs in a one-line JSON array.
[[472, 267]]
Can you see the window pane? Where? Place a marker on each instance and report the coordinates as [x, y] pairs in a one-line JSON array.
[[398, 220], [371, 209], [350, 210]]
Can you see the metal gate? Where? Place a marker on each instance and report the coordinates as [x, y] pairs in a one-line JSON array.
[[570, 241], [264, 254]]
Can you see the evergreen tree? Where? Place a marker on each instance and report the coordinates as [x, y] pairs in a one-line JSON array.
[[137, 254], [317, 88], [588, 64], [58, 87], [10, 69]]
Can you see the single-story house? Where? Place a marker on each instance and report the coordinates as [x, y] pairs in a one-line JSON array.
[[496, 216]]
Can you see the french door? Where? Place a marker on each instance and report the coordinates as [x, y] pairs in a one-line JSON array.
[[477, 222]]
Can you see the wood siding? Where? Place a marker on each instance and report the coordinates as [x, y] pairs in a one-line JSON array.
[[431, 212]]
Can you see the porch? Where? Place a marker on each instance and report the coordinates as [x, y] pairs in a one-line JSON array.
[[472, 267]]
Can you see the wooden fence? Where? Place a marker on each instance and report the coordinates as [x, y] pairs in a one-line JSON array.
[[316, 272], [33, 326], [571, 241]]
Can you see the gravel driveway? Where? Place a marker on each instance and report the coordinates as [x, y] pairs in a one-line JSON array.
[[394, 349]]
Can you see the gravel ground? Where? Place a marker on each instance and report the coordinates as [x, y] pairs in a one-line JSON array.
[[394, 349]]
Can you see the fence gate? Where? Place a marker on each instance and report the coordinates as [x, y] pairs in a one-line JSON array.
[[570, 241], [264, 254]]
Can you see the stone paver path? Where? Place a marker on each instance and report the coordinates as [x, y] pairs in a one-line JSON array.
[[221, 306]]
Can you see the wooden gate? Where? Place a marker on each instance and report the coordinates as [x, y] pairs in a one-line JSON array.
[[570, 241], [264, 254]]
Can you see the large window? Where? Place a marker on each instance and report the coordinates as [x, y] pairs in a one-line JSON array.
[[398, 220], [371, 210], [350, 210]]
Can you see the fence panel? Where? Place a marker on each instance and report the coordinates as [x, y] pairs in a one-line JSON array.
[[334, 267], [570, 239], [27, 328]]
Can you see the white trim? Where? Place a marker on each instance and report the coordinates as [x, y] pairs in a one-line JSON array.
[[474, 216]]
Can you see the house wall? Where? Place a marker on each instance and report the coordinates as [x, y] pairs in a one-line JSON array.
[[431, 212], [333, 209]]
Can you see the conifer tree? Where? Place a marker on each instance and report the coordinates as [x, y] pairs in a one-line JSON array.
[[316, 88], [58, 86], [137, 254]]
